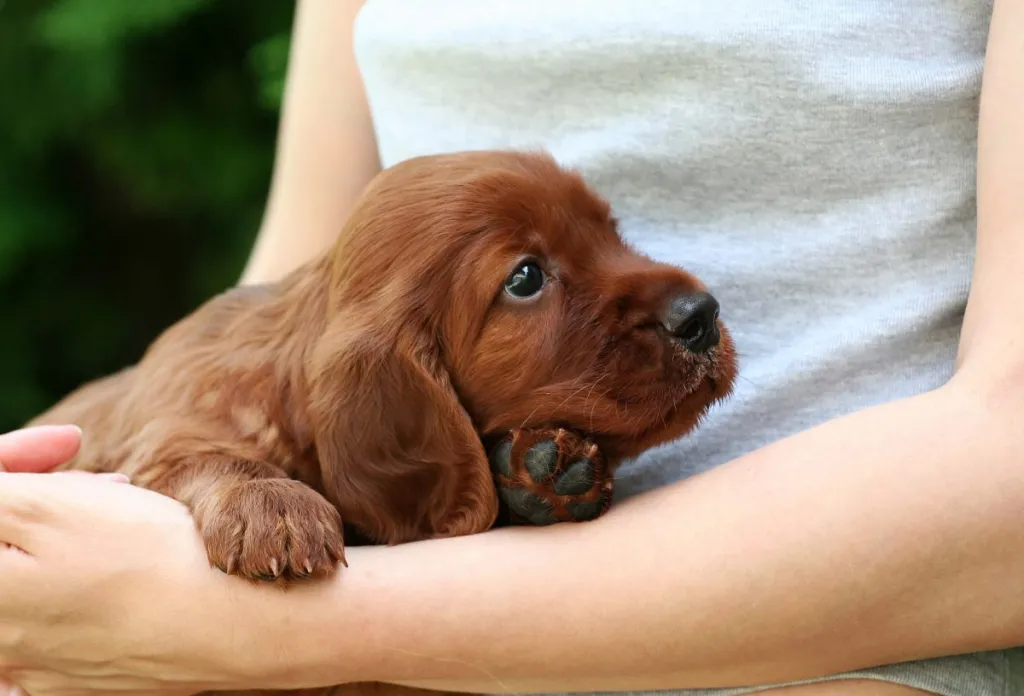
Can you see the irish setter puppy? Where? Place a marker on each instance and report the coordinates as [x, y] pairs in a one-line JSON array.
[[474, 303]]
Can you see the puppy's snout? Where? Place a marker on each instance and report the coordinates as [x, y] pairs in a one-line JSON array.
[[693, 319]]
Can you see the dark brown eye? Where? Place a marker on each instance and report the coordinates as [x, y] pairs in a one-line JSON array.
[[526, 281]]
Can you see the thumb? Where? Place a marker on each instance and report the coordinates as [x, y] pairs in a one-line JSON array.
[[38, 449]]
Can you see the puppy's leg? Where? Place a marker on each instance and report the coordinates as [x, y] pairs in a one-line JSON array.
[[255, 521], [551, 475]]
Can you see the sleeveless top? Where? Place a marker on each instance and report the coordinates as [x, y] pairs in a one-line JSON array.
[[813, 162]]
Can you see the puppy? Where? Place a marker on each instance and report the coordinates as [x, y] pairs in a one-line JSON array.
[[474, 302]]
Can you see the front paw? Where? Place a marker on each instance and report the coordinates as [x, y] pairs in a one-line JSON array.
[[546, 476], [270, 529]]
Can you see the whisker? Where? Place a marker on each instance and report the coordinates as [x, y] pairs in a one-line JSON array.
[[562, 403]]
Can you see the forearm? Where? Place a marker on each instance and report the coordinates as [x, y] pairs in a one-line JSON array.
[[887, 535]]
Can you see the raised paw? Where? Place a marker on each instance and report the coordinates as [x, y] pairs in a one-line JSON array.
[[270, 529], [546, 476]]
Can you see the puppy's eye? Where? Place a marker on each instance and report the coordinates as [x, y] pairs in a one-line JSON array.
[[526, 281]]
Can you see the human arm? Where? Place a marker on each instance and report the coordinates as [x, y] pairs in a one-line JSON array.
[[326, 151], [865, 541], [786, 563]]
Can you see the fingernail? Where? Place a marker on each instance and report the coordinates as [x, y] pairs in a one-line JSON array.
[[56, 428], [116, 478], [70, 428]]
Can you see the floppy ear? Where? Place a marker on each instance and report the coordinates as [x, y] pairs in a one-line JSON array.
[[398, 453]]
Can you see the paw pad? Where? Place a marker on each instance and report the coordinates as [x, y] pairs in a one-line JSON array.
[[551, 475]]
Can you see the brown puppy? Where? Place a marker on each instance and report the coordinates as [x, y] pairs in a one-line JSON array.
[[469, 295]]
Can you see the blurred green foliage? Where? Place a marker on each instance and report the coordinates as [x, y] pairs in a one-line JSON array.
[[136, 145]]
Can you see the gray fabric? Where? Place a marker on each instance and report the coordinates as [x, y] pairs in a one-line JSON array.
[[813, 162]]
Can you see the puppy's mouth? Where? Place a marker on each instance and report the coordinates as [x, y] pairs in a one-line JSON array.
[[706, 376], [682, 365], [672, 396]]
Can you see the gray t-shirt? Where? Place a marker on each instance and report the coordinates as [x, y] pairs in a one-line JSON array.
[[812, 161]]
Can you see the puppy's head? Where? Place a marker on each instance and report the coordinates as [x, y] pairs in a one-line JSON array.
[[501, 282]]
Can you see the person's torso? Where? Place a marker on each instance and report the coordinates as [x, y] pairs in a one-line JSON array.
[[812, 161]]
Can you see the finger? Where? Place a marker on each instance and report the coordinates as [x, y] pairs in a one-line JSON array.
[[32, 503], [38, 507], [22, 508], [39, 448], [28, 500]]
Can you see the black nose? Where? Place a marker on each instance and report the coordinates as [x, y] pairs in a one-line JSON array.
[[692, 318]]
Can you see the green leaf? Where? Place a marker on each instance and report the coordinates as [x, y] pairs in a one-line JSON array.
[[136, 145]]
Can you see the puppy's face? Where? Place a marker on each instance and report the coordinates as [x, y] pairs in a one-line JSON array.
[[540, 312]]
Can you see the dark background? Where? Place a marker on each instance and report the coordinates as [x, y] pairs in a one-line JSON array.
[[136, 145]]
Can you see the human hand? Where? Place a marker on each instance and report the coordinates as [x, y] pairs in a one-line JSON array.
[[35, 449], [96, 578]]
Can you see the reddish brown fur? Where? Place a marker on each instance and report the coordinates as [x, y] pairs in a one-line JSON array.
[[371, 374]]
